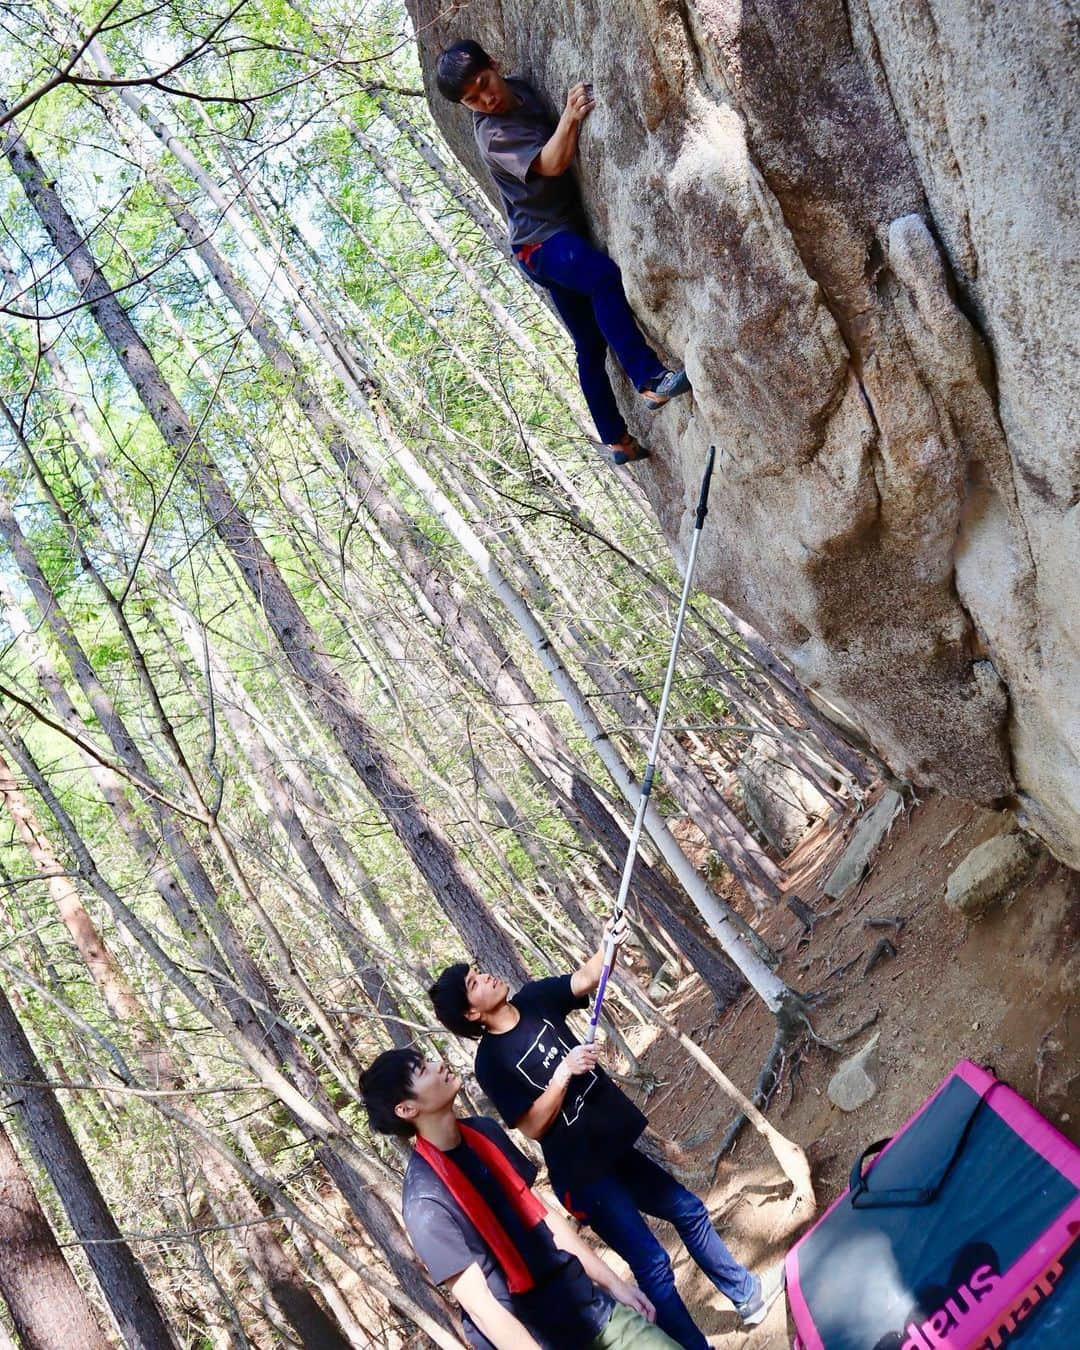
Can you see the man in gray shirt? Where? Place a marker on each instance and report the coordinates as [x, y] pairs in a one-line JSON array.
[[529, 159], [524, 1278]]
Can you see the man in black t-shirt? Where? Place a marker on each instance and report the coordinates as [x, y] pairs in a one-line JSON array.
[[546, 1084], [524, 1278], [530, 157]]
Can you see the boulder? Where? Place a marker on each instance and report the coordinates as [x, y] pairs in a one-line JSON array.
[[869, 833], [782, 803], [855, 1082], [989, 873], [856, 225]]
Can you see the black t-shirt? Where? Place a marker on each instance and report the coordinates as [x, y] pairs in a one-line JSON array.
[[596, 1123], [564, 1311], [536, 206]]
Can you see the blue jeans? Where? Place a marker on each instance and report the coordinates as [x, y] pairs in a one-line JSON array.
[[613, 1204], [586, 288]]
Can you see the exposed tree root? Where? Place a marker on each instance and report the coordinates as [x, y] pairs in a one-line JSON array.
[[767, 1082], [807, 917], [835, 1044], [792, 1159], [792, 1021], [883, 948], [878, 921], [640, 1078]]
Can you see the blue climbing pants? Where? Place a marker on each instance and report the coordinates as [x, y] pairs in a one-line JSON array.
[[586, 288], [613, 1205]]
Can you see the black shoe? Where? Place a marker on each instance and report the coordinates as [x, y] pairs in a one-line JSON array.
[[628, 451], [660, 391]]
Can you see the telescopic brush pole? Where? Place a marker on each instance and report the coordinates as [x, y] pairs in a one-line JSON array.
[[654, 750]]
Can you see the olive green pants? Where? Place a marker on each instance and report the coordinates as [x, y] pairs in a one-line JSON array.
[[628, 1330]]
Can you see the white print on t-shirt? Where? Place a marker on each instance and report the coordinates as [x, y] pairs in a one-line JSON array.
[[538, 1063]]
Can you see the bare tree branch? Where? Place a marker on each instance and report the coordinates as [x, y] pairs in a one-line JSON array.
[[99, 756]]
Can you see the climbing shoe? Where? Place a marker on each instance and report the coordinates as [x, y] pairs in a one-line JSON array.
[[666, 387], [767, 1289], [628, 451]]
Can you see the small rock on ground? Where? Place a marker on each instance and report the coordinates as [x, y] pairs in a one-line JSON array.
[[854, 1083], [989, 873]]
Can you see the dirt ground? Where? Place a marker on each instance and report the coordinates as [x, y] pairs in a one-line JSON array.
[[1001, 991]]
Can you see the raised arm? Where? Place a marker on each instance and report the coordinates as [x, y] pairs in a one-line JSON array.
[[558, 153], [497, 1323], [585, 979]]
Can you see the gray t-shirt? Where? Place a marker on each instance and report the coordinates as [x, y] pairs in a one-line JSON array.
[[564, 1311], [536, 207]]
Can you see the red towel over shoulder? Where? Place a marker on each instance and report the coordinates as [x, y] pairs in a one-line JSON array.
[[526, 1206]]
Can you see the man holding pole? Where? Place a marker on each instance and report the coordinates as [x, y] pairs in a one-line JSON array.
[[548, 1085]]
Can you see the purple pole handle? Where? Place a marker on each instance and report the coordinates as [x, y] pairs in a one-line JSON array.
[[598, 1002]]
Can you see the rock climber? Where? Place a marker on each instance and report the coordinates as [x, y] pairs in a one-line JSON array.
[[529, 159], [546, 1084], [525, 1279]]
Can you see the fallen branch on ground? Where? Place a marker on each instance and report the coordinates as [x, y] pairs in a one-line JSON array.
[[793, 1161]]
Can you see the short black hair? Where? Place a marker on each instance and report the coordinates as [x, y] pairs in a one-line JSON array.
[[451, 1002], [386, 1084], [458, 65]]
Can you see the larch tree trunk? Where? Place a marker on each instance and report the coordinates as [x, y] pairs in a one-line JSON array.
[[49, 1310], [122, 1279]]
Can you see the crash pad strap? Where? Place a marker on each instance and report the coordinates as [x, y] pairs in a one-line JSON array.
[[862, 1197]]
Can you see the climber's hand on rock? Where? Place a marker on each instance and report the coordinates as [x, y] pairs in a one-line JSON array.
[[560, 148], [579, 102]]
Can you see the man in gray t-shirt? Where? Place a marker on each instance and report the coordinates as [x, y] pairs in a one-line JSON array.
[[530, 157], [525, 1280]]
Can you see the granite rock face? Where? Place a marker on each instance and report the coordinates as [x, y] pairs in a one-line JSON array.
[[855, 223]]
